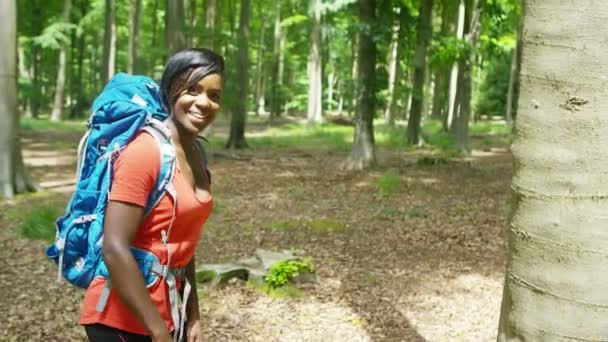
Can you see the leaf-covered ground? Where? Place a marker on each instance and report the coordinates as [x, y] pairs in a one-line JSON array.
[[405, 252]]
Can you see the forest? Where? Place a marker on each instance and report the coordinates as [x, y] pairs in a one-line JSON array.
[[431, 169]]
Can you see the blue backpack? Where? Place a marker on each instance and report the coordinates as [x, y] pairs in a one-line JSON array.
[[126, 106]]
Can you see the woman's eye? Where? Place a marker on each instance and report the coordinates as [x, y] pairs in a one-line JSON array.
[[215, 97], [191, 91]]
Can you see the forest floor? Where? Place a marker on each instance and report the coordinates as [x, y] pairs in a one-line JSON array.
[[424, 263]]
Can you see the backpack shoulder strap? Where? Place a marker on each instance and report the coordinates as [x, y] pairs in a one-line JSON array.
[[164, 182]]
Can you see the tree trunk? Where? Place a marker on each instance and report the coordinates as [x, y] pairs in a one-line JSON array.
[[210, 35], [331, 82], [239, 112], [464, 113], [275, 88], [354, 69], [394, 71], [25, 73], [555, 284], [13, 177], [315, 84], [362, 154], [260, 102], [134, 16], [454, 79], [442, 74], [61, 70], [422, 41], [176, 39], [79, 104], [109, 47]]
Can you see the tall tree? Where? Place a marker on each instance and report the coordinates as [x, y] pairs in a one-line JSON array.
[[13, 177], [134, 16], [362, 154], [555, 284], [276, 79], [315, 78], [422, 41], [394, 67], [453, 100], [61, 70], [239, 110], [449, 11], [175, 35], [109, 46], [461, 128], [211, 15], [260, 84]]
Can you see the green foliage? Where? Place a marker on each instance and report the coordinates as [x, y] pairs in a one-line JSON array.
[[492, 96], [282, 272], [445, 51], [55, 35], [389, 183], [38, 222], [43, 125]]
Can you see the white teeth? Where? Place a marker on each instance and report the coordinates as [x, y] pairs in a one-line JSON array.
[[197, 115]]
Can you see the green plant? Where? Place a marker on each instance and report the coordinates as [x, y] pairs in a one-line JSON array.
[[389, 183], [282, 272], [40, 222]]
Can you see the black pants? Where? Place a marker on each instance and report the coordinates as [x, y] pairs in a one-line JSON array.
[[104, 333]]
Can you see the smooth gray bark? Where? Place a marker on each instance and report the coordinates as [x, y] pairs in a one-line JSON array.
[[363, 153], [239, 111], [555, 284], [61, 70], [132, 55], [461, 132], [176, 39], [315, 96], [109, 47], [423, 40], [13, 176]]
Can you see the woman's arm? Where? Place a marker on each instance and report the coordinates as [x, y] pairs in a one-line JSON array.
[[121, 223], [192, 309], [193, 328]]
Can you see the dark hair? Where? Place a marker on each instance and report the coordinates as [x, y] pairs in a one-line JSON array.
[[186, 68]]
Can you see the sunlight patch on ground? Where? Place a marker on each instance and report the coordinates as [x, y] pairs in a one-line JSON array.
[[466, 308], [285, 320]]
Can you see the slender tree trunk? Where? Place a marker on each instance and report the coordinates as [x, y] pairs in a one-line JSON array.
[[442, 74], [464, 114], [275, 88], [354, 69], [454, 79], [394, 67], [315, 84], [25, 73], [134, 15], [210, 28], [555, 284], [423, 38], [13, 177], [239, 112], [260, 102], [176, 39], [61, 71], [331, 81], [362, 154], [154, 40], [109, 47]]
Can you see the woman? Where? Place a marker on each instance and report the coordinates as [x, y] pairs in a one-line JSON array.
[[191, 89]]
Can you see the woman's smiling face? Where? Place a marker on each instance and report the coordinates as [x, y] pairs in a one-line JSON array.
[[196, 107]]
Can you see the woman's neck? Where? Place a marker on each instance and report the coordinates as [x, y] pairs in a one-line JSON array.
[[179, 136]]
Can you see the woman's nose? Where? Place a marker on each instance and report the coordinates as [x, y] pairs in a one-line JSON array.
[[202, 101]]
